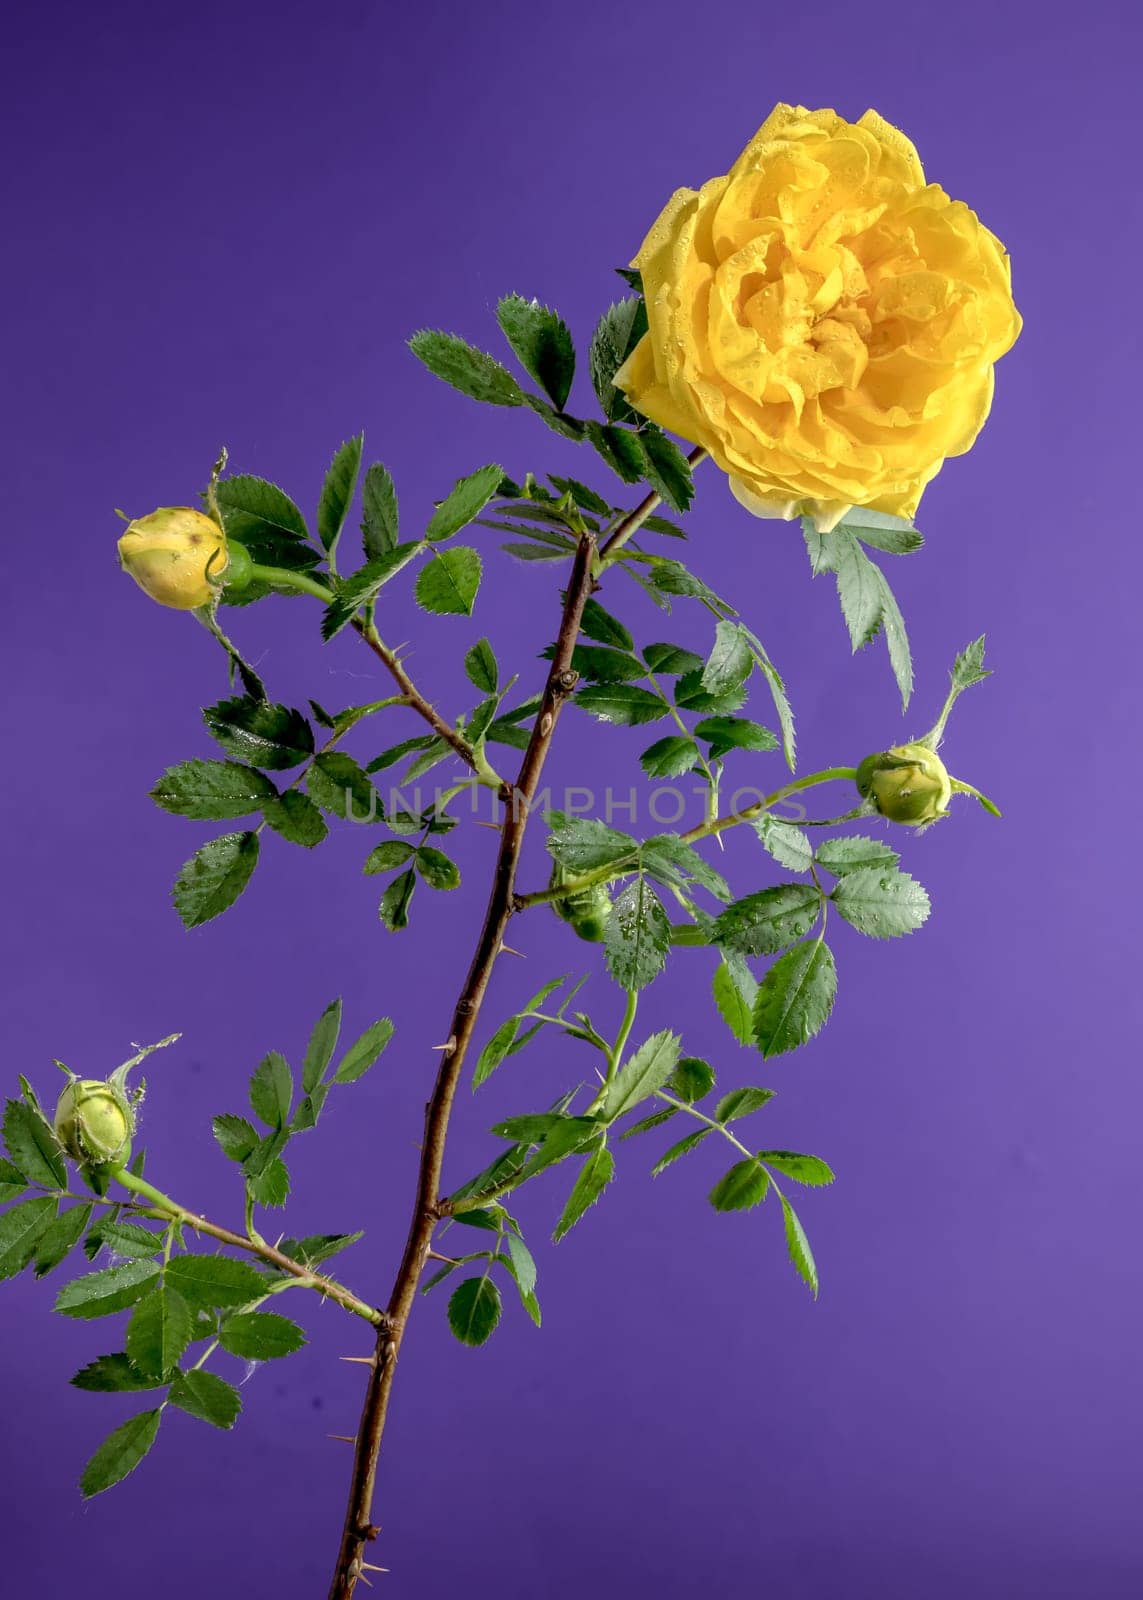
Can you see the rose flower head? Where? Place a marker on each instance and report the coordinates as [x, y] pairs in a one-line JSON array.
[[95, 1122], [176, 555], [822, 320]]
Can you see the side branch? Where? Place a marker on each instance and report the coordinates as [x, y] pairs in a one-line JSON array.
[[427, 1210]]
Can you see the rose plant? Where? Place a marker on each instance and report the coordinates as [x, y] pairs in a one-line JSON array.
[[820, 322]]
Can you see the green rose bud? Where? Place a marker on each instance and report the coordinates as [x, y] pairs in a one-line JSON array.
[[95, 1123], [587, 910], [176, 555], [907, 784]]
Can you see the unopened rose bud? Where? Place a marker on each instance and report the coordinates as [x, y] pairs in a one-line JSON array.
[[907, 784], [176, 555], [587, 910], [95, 1123]]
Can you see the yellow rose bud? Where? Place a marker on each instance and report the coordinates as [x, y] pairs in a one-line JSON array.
[[822, 320], [176, 555], [907, 784], [95, 1123]]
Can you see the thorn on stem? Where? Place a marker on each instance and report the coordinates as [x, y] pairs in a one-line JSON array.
[[342, 1438], [362, 1361]]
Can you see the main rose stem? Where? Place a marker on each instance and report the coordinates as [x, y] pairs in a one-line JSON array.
[[428, 1210]]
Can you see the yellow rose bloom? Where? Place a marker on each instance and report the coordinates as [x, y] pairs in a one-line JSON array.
[[822, 320]]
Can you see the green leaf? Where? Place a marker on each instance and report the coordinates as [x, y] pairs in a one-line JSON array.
[[272, 1090], [691, 1141], [969, 668], [730, 661], [853, 852], [542, 344], [129, 1239], [237, 1138], [666, 469], [363, 585], [438, 870], [672, 659], [673, 578], [378, 512], [596, 1173], [621, 448], [645, 1124], [212, 790], [464, 502], [795, 998], [741, 1102], [390, 757], [322, 1043], [897, 639], [363, 1052], [209, 1280], [810, 1170], [669, 757], [691, 696], [214, 877], [260, 733], [534, 1128], [318, 1247], [294, 816], [98, 1294], [113, 1374], [12, 1182], [447, 586], [858, 588], [260, 1335], [892, 534], [778, 694], [637, 936], [734, 733], [208, 1397], [271, 1186], [602, 664], [388, 857], [474, 1310], [692, 1079], [339, 786], [494, 1052], [337, 491], [480, 667], [734, 994], [799, 1246], [159, 1331], [60, 1236], [881, 901], [251, 504], [467, 369], [581, 844], [742, 1188], [32, 1145], [624, 704], [120, 1453], [394, 907], [568, 1135], [768, 921], [601, 626], [671, 859], [616, 335], [645, 1072], [789, 846], [22, 1227]]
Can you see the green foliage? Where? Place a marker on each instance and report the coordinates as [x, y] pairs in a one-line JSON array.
[[379, 523], [260, 1335], [206, 1396], [464, 502], [474, 1310], [595, 1174], [259, 733], [60, 1237], [637, 936], [669, 757], [120, 1453], [480, 666], [799, 1246], [159, 1331], [622, 703], [209, 1281], [214, 877], [32, 1147], [768, 921], [22, 1227], [337, 493], [617, 333], [467, 369], [881, 901], [294, 816], [272, 1090], [113, 1374], [98, 1294], [542, 344], [212, 790], [448, 584], [795, 998], [364, 1052], [853, 852], [867, 601], [645, 1072], [742, 1188], [789, 846], [337, 784]]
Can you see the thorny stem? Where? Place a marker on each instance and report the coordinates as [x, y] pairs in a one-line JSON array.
[[618, 869], [634, 520], [428, 1208], [326, 1287]]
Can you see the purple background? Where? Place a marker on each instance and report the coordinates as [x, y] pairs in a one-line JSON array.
[[223, 229]]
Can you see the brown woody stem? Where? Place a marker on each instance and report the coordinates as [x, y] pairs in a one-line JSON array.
[[427, 1211]]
